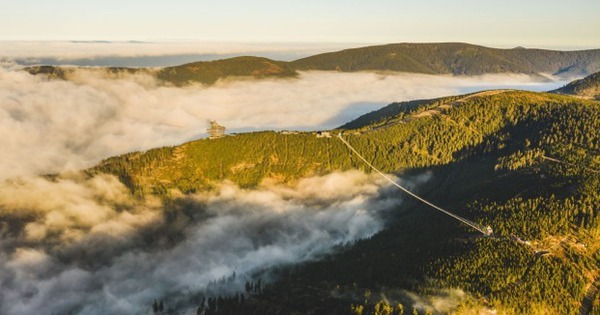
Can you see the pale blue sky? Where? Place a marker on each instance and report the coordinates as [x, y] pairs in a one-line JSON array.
[[507, 23]]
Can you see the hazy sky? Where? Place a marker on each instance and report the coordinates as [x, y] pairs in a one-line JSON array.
[[507, 23]]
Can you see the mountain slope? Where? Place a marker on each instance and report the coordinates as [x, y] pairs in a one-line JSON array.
[[206, 73], [488, 154], [402, 112], [588, 87], [395, 113], [210, 71], [454, 58], [430, 133]]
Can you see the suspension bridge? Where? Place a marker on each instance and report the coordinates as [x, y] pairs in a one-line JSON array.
[[485, 230]]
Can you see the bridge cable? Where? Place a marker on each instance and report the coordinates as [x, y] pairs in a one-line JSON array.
[[485, 230]]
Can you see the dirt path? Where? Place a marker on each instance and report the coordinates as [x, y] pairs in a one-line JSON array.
[[439, 109], [592, 293]]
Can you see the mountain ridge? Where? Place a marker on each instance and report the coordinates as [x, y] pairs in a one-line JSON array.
[[459, 59], [588, 87], [249, 157], [454, 58], [487, 154]]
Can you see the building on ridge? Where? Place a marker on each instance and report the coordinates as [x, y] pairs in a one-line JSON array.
[[216, 131]]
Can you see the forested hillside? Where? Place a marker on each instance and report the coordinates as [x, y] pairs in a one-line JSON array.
[[527, 164], [588, 87], [454, 58], [209, 72], [430, 134]]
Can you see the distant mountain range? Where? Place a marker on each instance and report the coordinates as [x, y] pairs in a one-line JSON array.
[[454, 58], [434, 58]]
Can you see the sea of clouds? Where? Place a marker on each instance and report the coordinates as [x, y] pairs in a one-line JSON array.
[[49, 126]]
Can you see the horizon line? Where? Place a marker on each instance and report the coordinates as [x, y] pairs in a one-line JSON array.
[[316, 43]]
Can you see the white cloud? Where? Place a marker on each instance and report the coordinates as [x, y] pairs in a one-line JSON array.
[[72, 50], [104, 253], [52, 126]]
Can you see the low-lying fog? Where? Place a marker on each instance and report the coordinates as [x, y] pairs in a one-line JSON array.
[[84, 246], [51, 125]]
